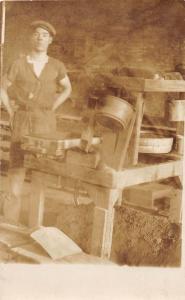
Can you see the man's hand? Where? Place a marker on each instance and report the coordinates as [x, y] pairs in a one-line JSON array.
[[65, 83], [5, 99]]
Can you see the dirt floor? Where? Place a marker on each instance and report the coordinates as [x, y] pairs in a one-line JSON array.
[[140, 238]]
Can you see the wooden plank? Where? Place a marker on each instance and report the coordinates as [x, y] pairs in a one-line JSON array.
[[143, 195], [164, 85], [102, 197], [68, 117], [158, 127], [132, 153], [138, 84], [98, 234], [83, 258], [175, 214], [81, 158], [37, 197], [135, 84], [122, 145], [12, 238], [58, 142], [34, 252], [149, 173], [168, 156], [181, 148], [103, 220], [113, 179], [14, 228], [100, 177]]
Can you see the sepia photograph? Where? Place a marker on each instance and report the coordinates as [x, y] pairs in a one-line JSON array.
[[92, 112]]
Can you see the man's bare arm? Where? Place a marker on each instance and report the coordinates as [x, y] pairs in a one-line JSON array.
[[65, 83], [4, 96]]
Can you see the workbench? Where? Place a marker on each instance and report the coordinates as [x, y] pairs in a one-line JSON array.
[[105, 186]]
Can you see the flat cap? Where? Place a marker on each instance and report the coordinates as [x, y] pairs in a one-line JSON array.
[[45, 25]]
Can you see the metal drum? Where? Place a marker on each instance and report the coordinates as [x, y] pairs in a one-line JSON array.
[[177, 110], [115, 114]]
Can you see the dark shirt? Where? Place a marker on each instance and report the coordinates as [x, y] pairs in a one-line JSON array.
[[31, 91]]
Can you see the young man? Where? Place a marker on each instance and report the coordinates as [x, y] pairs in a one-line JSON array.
[[39, 85]]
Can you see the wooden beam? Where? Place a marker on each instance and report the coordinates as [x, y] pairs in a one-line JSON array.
[[164, 85], [34, 252], [37, 197], [149, 173], [99, 177], [132, 153], [138, 84], [103, 220], [158, 127], [127, 177], [122, 145], [12, 238], [82, 158]]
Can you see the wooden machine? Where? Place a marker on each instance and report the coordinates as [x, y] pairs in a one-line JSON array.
[[105, 185]]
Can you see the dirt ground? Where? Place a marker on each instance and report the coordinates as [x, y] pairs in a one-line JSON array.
[[139, 237]]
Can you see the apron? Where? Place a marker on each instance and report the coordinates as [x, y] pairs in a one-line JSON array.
[[27, 123]]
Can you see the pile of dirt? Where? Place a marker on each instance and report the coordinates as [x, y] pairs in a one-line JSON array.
[[140, 238]]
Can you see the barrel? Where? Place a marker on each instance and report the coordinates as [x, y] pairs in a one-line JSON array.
[[177, 110], [115, 114]]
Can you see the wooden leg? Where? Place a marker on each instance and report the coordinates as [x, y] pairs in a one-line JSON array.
[[37, 196], [176, 207], [122, 145], [12, 205], [103, 219], [132, 152]]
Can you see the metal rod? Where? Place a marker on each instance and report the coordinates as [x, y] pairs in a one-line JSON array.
[[2, 39]]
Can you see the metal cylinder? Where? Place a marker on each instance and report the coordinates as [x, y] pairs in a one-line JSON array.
[[115, 114], [177, 110]]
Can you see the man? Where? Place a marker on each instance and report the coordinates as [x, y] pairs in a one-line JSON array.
[[39, 85]]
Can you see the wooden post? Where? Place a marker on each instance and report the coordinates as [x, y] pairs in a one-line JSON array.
[[122, 145], [37, 196], [132, 157], [103, 221], [175, 215], [181, 131]]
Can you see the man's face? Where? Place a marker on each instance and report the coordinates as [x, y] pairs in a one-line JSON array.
[[40, 39]]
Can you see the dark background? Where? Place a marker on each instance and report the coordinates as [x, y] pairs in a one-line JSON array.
[[101, 36]]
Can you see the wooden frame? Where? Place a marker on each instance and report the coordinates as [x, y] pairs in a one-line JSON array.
[[105, 186]]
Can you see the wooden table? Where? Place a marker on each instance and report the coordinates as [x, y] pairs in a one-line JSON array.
[[105, 186]]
